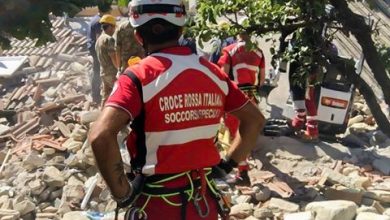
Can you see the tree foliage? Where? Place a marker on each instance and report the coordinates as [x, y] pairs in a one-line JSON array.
[[30, 18], [305, 20], [265, 18]]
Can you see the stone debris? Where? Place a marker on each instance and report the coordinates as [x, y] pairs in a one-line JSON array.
[[53, 177], [241, 210], [382, 165], [299, 216], [283, 205], [371, 216], [45, 115], [364, 208], [362, 129], [263, 213], [75, 216], [262, 194], [9, 214], [24, 207], [333, 210]]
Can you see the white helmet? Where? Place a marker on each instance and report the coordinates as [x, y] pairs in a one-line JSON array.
[[142, 11]]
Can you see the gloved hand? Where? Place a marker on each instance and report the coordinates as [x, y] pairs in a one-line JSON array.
[[227, 165], [224, 167], [136, 185]]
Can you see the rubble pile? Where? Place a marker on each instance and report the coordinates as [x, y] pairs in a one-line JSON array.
[[362, 129], [319, 181], [300, 187], [69, 45], [47, 166]]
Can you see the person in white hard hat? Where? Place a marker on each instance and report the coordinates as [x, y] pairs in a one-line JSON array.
[[174, 101]]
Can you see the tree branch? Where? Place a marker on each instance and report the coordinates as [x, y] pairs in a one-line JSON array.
[[283, 28], [362, 32]]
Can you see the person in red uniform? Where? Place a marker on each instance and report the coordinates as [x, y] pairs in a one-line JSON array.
[[304, 104], [303, 94], [174, 101], [247, 69]]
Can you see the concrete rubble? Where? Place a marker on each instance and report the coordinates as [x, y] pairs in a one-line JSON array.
[[326, 181], [362, 129], [45, 116]]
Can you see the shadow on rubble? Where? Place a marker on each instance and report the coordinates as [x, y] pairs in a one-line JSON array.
[[276, 111], [277, 154], [300, 192], [291, 147]]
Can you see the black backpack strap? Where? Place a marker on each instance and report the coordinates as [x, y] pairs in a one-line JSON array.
[[135, 80], [231, 76], [138, 126]]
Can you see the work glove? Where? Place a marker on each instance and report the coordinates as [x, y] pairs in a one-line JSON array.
[[223, 168], [137, 185]]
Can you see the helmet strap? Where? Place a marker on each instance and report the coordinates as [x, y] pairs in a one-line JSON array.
[[145, 46], [142, 42]]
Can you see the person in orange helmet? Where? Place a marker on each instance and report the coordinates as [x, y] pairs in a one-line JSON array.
[[105, 50]]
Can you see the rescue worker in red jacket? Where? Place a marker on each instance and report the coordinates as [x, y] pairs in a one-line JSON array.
[[174, 101], [304, 94], [304, 104], [247, 69]]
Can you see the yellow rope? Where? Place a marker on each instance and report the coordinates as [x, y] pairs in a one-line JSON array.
[[169, 202], [190, 192], [172, 177], [146, 202]]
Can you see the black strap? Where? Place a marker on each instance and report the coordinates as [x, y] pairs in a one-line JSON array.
[[158, 8], [223, 213], [138, 184], [135, 80], [184, 203], [231, 76], [138, 126]]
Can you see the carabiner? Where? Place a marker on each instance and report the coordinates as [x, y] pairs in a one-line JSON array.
[[135, 213], [198, 198]]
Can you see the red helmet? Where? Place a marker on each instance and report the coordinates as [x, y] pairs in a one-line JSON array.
[[142, 11]]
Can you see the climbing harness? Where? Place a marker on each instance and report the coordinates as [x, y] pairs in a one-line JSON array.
[[194, 192]]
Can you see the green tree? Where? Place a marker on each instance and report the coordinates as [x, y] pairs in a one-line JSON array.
[[304, 19], [30, 18]]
